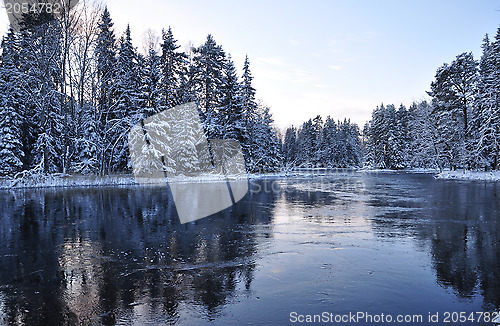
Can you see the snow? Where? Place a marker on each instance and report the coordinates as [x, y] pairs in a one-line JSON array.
[[67, 180], [469, 175], [410, 170]]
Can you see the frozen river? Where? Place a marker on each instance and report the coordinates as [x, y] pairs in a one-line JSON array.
[[332, 246]]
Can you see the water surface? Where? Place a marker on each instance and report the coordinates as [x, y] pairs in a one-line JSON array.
[[344, 242]]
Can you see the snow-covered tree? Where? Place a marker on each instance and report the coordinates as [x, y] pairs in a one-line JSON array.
[[316, 151], [105, 53], [329, 146], [306, 139], [289, 149], [127, 109], [209, 61], [172, 66], [266, 149], [11, 110], [348, 147], [424, 151], [230, 118], [452, 93], [41, 68]]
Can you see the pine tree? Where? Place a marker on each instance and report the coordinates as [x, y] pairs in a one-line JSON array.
[[401, 139], [250, 115], [486, 124], [87, 142], [452, 93], [11, 109], [230, 117], [151, 75], [127, 82], [348, 145], [105, 54], [41, 67], [305, 143], [172, 66], [209, 61], [267, 154], [330, 150], [128, 107], [289, 149], [424, 148], [378, 138], [316, 151]]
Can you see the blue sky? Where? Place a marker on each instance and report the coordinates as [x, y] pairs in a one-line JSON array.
[[338, 58]]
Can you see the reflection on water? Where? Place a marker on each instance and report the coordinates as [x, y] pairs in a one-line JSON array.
[[380, 243], [98, 255]]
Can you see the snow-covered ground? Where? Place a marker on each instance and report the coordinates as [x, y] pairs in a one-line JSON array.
[[469, 175], [416, 170], [66, 180]]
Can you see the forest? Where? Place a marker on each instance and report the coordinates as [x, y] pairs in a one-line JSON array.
[[458, 128], [71, 89]]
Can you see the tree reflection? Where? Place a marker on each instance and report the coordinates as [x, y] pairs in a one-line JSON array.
[[460, 220], [465, 240], [98, 256]]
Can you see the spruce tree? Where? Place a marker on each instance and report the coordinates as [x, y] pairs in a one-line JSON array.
[[330, 150], [230, 113], [289, 149], [105, 54], [250, 115], [150, 83], [209, 61], [172, 66], [11, 110], [128, 107], [452, 93], [41, 66]]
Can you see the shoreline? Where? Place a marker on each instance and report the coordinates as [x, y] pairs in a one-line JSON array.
[[466, 175], [60, 180]]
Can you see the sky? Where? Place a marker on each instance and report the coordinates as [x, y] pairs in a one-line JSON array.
[[327, 57]]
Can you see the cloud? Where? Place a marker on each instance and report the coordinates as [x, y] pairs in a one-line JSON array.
[[302, 76], [271, 61], [294, 42], [335, 67]]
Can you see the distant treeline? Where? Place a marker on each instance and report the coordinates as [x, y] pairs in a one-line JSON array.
[[318, 144], [459, 128]]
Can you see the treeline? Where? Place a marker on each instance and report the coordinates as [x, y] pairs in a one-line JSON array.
[[460, 128], [70, 90], [317, 144]]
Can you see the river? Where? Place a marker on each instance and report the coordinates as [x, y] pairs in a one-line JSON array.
[[334, 245]]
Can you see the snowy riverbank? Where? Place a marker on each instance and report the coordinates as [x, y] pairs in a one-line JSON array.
[[469, 175], [66, 180]]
